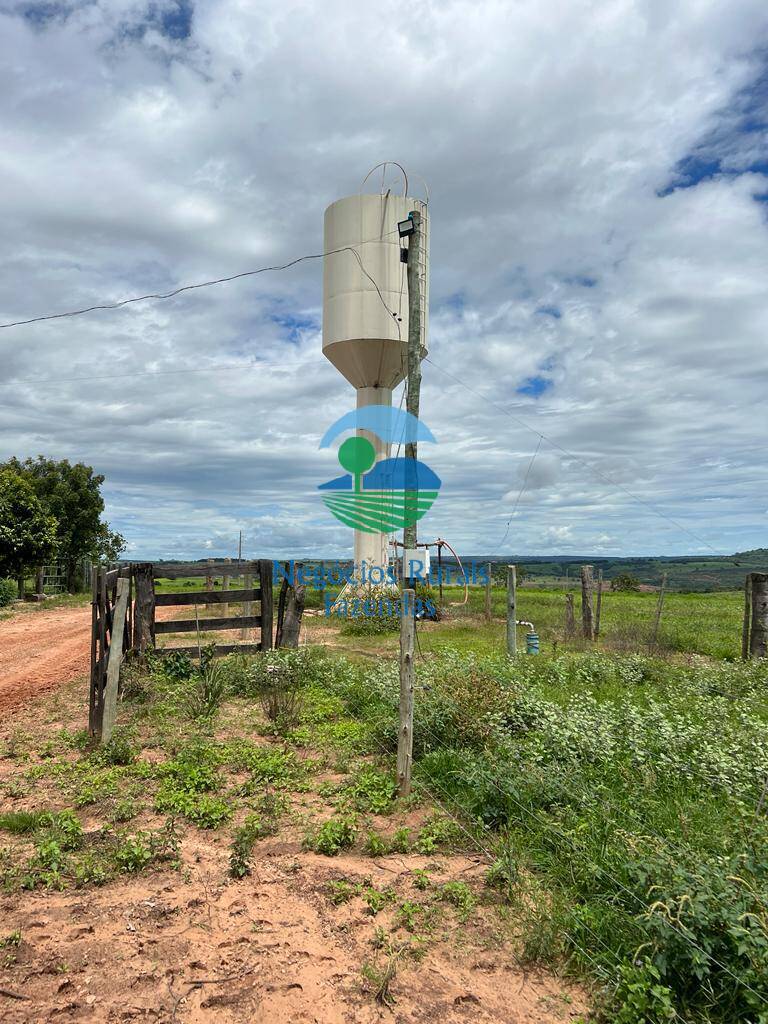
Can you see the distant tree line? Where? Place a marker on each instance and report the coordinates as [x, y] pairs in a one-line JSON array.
[[51, 511]]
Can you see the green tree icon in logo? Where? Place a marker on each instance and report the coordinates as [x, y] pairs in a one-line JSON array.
[[357, 455]]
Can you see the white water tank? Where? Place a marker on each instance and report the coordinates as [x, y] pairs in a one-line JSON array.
[[362, 337]]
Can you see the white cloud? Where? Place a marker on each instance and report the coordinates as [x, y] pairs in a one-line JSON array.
[[133, 161]]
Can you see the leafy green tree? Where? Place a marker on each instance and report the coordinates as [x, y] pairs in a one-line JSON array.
[[72, 494], [109, 544], [27, 529], [625, 581]]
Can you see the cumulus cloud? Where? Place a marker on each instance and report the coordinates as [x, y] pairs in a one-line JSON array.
[[598, 261]]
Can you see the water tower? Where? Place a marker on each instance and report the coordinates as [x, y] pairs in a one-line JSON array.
[[365, 310]]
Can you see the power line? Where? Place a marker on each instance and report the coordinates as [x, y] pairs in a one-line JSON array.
[[521, 491], [209, 284], [572, 455], [127, 376]]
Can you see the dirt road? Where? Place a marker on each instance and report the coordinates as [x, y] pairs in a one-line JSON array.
[[42, 650]]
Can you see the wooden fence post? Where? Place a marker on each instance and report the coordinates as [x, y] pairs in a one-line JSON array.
[[599, 603], [114, 661], [94, 650], [224, 588], [747, 617], [265, 583], [144, 609], [570, 616], [405, 730], [488, 594], [293, 611], [758, 633], [511, 610], [245, 632], [587, 589], [659, 607]]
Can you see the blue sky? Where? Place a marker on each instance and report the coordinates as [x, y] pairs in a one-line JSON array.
[[598, 261]]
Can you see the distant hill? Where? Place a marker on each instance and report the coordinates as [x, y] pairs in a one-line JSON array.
[[698, 573]]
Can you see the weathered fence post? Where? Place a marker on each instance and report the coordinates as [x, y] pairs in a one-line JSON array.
[[114, 661], [144, 608], [488, 585], [659, 608], [292, 613], [747, 617], [265, 583], [245, 632], [587, 589], [570, 617], [94, 650], [599, 607], [224, 588], [758, 633], [405, 730], [511, 610]]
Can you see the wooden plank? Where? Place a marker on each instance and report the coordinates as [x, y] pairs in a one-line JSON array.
[[207, 625], [208, 597], [111, 577], [221, 649], [94, 652], [101, 597], [144, 609], [265, 574], [109, 712], [247, 605], [176, 570]]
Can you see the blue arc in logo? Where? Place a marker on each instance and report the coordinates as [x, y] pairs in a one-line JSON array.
[[391, 425]]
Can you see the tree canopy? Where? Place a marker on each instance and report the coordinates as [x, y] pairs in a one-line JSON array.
[[27, 528], [70, 495]]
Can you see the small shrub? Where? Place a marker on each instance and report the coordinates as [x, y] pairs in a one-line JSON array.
[[421, 879], [375, 845], [8, 591], [340, 891], [331, 837], [209, 691], [244, 840], [280, 693], [371, 791], [176, 667], [371, 625], [409, 915], [460, 896], [400, 841], [438, 833], [90, 870], [133, 853], [376, 899], [118, 750], [124, 810]]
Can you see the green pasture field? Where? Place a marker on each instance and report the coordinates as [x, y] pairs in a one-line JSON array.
[[703, 624]]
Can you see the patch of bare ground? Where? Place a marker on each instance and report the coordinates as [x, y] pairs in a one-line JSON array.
[[190, 945]]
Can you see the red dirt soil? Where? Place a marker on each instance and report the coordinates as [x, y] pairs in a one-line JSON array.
[[42, 650]]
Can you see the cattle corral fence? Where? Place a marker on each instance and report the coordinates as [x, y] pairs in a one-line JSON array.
[[124, 620]]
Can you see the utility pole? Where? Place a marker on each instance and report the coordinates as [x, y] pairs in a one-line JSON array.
[[413, 392], [411, 501]]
